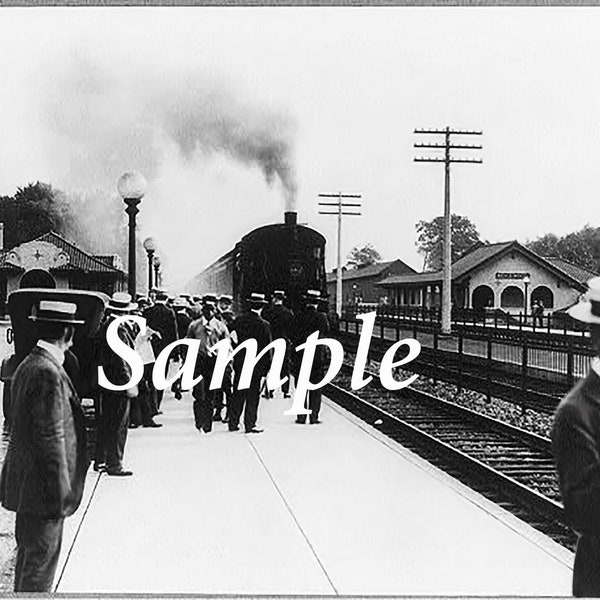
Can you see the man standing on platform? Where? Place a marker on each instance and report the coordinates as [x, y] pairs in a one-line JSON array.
[[249, 325], [281, 320], [45, 466], [308, 321], [225, 310], [576, 446], [209, 330], [227, 316], [183, 319], [114, 424], [161, 318]]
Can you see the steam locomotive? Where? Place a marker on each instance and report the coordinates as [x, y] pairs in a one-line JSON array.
[[283, 256]]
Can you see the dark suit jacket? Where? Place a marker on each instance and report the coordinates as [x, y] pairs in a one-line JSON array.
[[161, 318], [306, 323], [281, 320], [576, 446], [183, 320], [46, 462], [247, 326], [116, 369]]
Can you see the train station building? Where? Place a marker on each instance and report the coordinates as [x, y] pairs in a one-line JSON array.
[[506, 276], [50, 261], [359, 285]]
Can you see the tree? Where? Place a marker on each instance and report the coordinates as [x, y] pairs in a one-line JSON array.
[[581, 248], [430, 239], [34, 210], [95, 221], [361, 256]]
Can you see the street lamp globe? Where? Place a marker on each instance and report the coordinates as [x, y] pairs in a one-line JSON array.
[[149, 245], [132, 185]]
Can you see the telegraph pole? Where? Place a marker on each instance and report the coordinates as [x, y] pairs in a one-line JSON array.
[[341, 206], [447, 159]]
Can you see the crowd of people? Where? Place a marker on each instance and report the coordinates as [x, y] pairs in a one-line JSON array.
[[44, 471], [208, 319]]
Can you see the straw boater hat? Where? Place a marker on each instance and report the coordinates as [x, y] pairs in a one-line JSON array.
[[180, 302], [54, 311], [588, 308], [312, 296], [121, 302], [257, 299], [226, 298], [209, 299], [279, 294]]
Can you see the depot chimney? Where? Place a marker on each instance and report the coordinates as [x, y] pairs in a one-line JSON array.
[[290, 218]]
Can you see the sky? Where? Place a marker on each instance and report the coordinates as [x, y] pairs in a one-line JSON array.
[[232, 114]]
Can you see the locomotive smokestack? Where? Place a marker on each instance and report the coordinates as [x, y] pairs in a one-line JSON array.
[[290, 218]]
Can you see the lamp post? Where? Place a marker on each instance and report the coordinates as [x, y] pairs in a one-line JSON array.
[[150, 247], [156, 270], [132, 187]]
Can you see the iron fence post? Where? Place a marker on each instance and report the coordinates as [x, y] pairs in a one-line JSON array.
[[460, 363], [570, 365], [524, 358], [489, 370]]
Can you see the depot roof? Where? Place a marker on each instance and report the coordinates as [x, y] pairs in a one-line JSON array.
[[484, 253]]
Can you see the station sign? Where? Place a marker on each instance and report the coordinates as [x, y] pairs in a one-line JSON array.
[[511, 275]]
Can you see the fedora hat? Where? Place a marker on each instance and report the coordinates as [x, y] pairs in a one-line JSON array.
[[257, 298], [55, 311], [161, 295], [121, 302], [587, 309]]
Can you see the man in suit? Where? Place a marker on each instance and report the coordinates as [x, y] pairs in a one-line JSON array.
[[307, 321], [44, 470], [183, 320], [114, 423], [576, 446], [161, 318], [224, 395], [249, 325], [209, 330], [225, 309], [281, 320]]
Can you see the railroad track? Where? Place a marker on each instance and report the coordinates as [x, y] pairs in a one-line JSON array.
[[509, 466], [474, 374]]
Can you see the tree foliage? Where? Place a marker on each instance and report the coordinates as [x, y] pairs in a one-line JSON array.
[[96, 221], [362, 256], [430, 239], [34, 210], [581, 248]]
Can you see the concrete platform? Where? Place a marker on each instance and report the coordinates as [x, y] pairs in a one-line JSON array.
[[325, 509]]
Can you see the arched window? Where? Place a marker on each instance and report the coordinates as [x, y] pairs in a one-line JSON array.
[[512, 297], [544, 295], [483, 297], [37, 278]]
